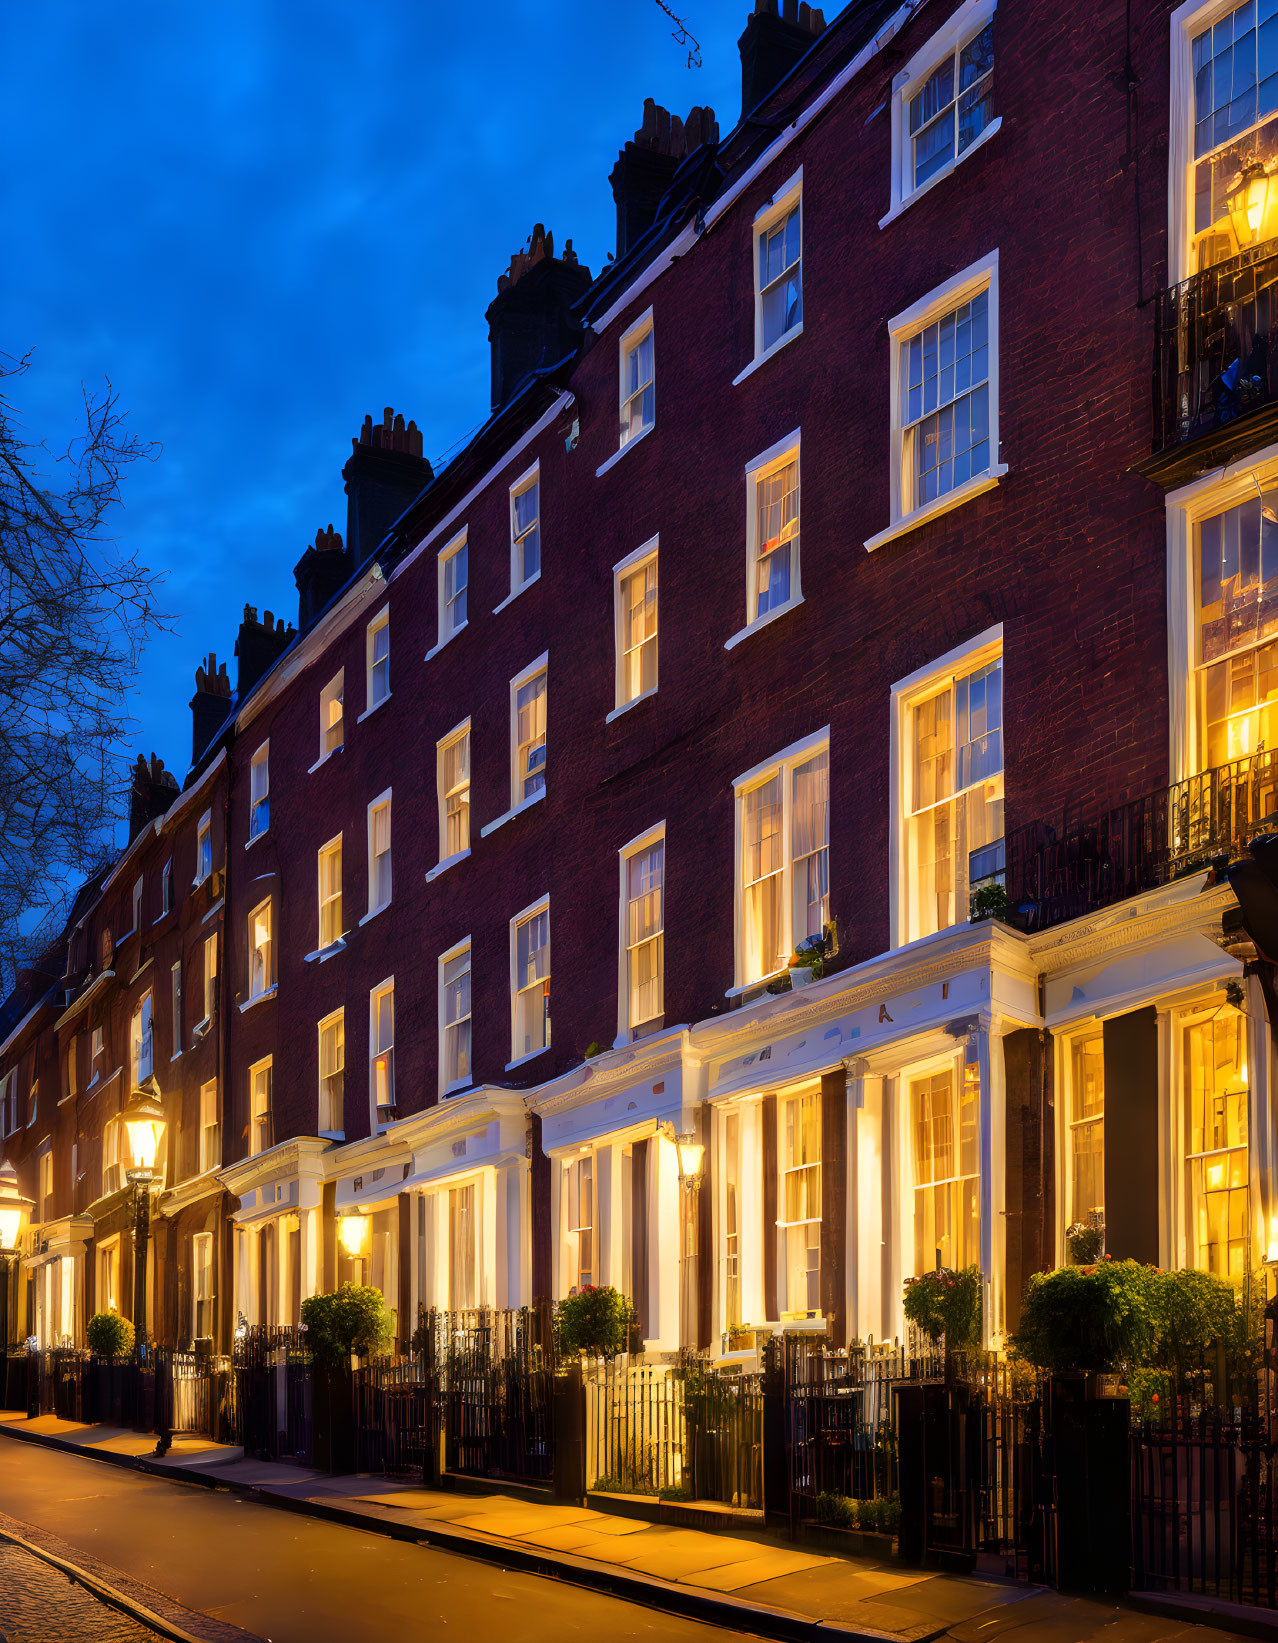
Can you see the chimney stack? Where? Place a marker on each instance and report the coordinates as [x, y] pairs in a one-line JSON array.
[[210, 704], [321, 570], [258, 646], [774, 40], [645, 167], [530, 323], [385, 471], [152, 789]]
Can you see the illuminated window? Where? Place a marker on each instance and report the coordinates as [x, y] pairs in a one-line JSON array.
[[783, 823], [379, 853], [799, 1202], [579, 1221], [330, 892], [1235, 131], [732, 1220], [454, 576], [952, 107], [261, 950], [638, 391], [772, 531], [377, 640], [530, 981], [1087, 1127], [141, 1058], [175, 1004], [945, 1111], [210, 977], [210, 1127], [260, 791], [260, 1122], [331, 724], [107, 1298], [952, 785], [778, 286], [332, 1073], [452, 765], [204, 847], [381, 1047], [635, 584], [643, 913], [1236, 685], [1214, 1063], [44, 1209], [525, 531], [137, 904], [202, 1286], [462, 1233], [454, 1019], [528, 732], [111, 1152]]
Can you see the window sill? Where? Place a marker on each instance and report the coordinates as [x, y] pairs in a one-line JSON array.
[[768, 353], [332, 1135], [515, 592], [762, 622], [176, 1056], [940, 176], [626, 706], [372, 914], [755, 986], [621, 450], [216, 908], [324, 758], [200, 1028], [448, 638], [250, 842], [465, 1085], [448, 861], [509, 815], [520, 1060], [260, 998], [976, 486], [371, 710], [325, 953]]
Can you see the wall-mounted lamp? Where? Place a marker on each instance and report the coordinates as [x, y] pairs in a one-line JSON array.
[[351, 1229]]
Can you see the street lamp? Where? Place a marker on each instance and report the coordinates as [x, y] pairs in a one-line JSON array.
[[144, 1126], [352, 1229], [14, 1209], [690, 1158]]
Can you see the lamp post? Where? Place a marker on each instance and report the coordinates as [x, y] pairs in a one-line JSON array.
[[352, 1229], [14, 1209], [144, 1126], [690, 1154]]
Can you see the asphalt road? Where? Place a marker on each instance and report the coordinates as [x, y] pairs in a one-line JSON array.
[[291, 1579]]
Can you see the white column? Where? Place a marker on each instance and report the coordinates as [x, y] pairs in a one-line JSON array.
[[750, 1200], [1263, 1160], [663, 1242], [993, 1185], [869, 1206]]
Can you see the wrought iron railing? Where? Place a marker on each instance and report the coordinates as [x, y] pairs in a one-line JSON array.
[[1086, 859], [1212, 361]]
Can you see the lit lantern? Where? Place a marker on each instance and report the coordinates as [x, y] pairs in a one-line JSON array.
[[144, 1124], [1248, 203], [691, 1154], [14, 1209], [351, 1229]]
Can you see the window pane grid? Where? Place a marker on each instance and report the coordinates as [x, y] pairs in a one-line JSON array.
[[526, 532], [935, 110], [454, 784], [379, 670], [530, 737], [645, 926], [456, 992], [638, 405], [330, 894], [332, 1057], [532, 984], [945, 401], [776, 536], [1217, 1153], [379, 839], [639, 632], [780, 277], [946, 1173], [455, 577]]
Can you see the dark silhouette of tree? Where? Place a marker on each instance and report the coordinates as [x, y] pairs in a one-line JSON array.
[[75, 612]]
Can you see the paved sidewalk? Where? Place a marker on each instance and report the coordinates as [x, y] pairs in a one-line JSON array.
[[753, 1580]]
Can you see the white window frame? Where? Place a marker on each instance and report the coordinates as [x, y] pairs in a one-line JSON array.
[[542, 904], [527, 479], [625, 568], [337, 1015], [630, 340], [962, 287], [175, 1006], [1210, 494], [261, 760], [783, 762], [268, 972], [517, 804], [444, 631], [210, 1156], [447, 1087], [380, 624], [962, 26], [266, 1064], [334, 690], [107, 1268], [446, 857], [202, 1256], [777, 455], [382, 801], [113, 1154], [141, 1050], [375, 996], [789, 195], [166, 889], [9, 1100], [203, 848], [625, 1027], [210, 957], [915, 687], [322, 946], [570, 1191]]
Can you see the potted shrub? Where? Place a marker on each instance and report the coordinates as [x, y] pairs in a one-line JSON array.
[[355, 1322], [109, 1335], [947, 1304], [1090, 1319], [595, 1322], [807, 961]]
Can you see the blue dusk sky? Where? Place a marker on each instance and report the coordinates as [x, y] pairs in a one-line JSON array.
[[263, 219]]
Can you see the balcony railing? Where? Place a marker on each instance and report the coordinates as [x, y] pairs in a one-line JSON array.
[[1213, 363], [1089, 860]]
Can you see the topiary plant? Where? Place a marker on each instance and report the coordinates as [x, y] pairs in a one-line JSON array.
[[595, 1322], [947, 1303], [109, 1335], [354, 1322]]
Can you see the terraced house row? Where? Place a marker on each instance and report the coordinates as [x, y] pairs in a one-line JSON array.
[[826, 568]]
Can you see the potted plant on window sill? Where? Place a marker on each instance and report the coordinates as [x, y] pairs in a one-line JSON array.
[[807, 961]]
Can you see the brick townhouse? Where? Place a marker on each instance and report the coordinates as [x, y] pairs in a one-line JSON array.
[[827, 566]]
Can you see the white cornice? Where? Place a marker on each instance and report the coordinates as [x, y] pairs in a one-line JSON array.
[[189, 1192], [307, 1155], [632, 1064], [1140, 921], [457, 1114]]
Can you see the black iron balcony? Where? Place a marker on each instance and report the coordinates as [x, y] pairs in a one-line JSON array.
[[1092, 859], [1215, 375]]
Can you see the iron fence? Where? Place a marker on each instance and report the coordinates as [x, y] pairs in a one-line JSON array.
[[271, 1395], [397, 1419], [495, 1373]]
